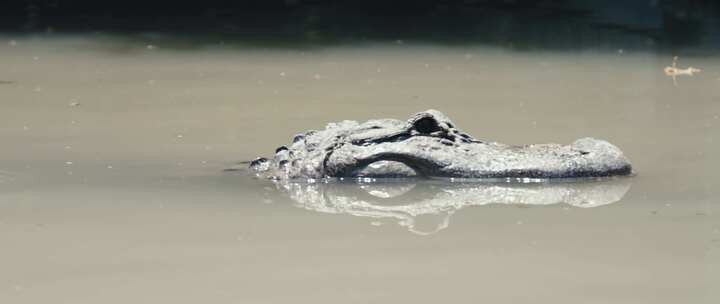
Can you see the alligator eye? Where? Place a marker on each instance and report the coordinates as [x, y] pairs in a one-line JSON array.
[[426, 125]]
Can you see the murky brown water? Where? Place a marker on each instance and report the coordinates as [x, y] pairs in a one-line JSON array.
[[112, 190]]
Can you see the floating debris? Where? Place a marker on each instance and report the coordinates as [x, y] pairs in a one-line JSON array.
[[74, 104], [673, 71]]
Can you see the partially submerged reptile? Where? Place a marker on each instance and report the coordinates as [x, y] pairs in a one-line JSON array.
[[429, 145]]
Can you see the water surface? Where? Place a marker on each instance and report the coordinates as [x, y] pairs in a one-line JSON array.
[[112, 187]]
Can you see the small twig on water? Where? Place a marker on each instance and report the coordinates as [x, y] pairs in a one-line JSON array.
[[673, 71]]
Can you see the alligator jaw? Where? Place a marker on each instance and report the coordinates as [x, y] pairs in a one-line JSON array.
[[438, 157]]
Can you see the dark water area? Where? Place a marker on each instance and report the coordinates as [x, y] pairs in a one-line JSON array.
[[657, 25]]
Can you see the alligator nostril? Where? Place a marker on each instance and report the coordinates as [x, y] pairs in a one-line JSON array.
[[426, 125]]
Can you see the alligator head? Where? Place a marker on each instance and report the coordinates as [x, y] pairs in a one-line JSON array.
[[429, 145]]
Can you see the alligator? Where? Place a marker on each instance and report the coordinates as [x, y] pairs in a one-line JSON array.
[[430, 145]]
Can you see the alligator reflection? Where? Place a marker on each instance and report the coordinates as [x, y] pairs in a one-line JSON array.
[[436, 201]]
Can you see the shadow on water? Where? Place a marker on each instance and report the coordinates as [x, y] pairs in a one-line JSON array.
[[664, 25], [425, 206]]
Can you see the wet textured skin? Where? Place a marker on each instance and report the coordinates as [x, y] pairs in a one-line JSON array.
[[430, 145]]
